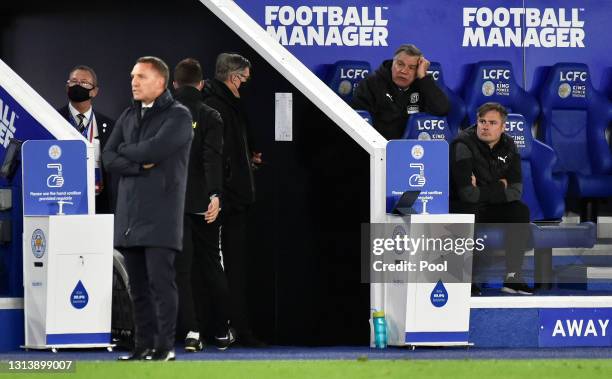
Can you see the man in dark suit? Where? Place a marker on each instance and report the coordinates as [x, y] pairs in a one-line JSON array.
[[200, 265], [149, 149], [81, 88]]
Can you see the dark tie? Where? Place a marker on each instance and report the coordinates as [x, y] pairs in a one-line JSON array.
[[81, 125], [143, 111]]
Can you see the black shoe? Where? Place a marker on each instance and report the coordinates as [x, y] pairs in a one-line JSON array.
[[249, 340], [475, 290], [138, 354], [163, 355], [515, 284], [193, 344], [223, 343]]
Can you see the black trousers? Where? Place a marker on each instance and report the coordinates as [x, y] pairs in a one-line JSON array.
[[200, 273], [154, 295], [234, 249], [512, 218]]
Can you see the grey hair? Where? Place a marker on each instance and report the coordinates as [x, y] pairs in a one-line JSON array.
[[408, 49], [229, 63]]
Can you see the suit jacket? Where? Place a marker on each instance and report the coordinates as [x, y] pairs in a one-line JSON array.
[[150, 202], [105, 124], [105, 200]]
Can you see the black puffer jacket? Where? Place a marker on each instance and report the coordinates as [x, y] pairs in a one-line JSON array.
[[238, 184], [205, 160], [390, 108], [150, 202], [470, 156]]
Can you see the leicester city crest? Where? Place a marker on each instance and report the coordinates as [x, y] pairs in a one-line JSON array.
[[564, 90], [345, 88], [488, 88], [55, 152], [417, 151], [38, 243]]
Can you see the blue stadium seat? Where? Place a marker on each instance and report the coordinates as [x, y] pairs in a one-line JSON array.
[[540, 190], [573, 122], [424, 126], [494, 81], [343, 76], [606, 82], [457, 112], [365, 115]]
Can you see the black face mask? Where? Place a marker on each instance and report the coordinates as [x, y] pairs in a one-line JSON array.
[[244, 89], [78, 94]]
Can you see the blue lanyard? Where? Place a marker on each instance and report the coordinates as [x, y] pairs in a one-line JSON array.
[[87, 128]]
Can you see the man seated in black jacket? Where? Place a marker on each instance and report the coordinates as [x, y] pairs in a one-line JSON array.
[[399, 88], [486, 180], [200, 266]]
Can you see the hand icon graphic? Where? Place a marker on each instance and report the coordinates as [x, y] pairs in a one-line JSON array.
[[55, 181], [416, 180]]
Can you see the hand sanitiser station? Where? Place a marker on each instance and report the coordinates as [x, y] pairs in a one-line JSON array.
[[66, 248], [67, 259]]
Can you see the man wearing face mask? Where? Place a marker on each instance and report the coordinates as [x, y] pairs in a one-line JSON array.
[[82, 88], [232, 72]]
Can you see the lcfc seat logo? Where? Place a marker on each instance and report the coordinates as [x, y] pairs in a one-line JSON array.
[[434, 74], [564, 90], [488, 88], [572, 76], [345, 88], [424, 136]]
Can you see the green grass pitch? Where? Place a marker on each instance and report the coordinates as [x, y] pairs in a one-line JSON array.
[[344, 369]]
